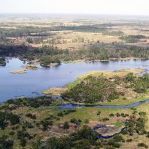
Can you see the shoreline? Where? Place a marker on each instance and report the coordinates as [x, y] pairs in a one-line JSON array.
[[35, 64], [106, 60], [25, 69]]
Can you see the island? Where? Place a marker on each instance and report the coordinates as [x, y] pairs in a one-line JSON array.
[[2, 61]]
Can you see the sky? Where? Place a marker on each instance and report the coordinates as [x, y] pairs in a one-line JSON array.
[[118, 7]]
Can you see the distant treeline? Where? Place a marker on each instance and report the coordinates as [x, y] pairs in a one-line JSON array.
[[45, 31], [133, 38], [93, 52]]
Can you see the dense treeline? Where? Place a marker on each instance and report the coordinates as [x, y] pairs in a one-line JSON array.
[[7, 118], [94, 89], [113, 33], [83, 28], [31, 102], [97, 51], [24, 31], [139, 84], [115, 50], [132, 38]]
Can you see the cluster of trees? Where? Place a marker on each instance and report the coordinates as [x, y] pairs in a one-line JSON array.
[[139, 84], [48, 122], [113, 33], [32, 102], [23, 136], [16, 126], [65, 112], [7, 118], [47, 61], [2, 61], [115, 50], [135, 124], [132, 38], [92, 89], [83, 28], [85, 138], [6, 143], [24, 31]]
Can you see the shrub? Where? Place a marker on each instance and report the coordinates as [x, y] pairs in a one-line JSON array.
[[75, 121], [6, 118], [32, 116], [6, 143], [66, 125], [111, 115], [99, 112], [142, 145]]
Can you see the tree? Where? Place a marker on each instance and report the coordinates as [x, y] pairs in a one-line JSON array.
[[66, 125]]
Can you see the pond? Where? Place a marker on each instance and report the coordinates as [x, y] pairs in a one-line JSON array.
[[34, 82]]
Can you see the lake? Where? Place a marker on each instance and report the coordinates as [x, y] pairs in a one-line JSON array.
[[34, 82]]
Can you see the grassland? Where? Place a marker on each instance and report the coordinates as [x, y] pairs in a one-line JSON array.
[[32, 125]]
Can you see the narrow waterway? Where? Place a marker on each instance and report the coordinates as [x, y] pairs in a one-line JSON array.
[[132, 105]]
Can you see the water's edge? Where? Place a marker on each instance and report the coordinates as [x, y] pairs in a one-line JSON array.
[[29, 84], [128, 106]]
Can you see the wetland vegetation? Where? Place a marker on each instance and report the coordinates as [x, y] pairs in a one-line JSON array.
[[41, 122], [36, 123], [99, 88], [2, 61]]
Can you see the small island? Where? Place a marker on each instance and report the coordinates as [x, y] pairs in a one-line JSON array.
[[48, 61], [25, 69], [2, 61]]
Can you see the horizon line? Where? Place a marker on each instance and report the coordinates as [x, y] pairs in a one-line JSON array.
[[59, 13]]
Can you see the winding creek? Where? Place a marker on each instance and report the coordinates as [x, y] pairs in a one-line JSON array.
[[132, 105], [34, 82]]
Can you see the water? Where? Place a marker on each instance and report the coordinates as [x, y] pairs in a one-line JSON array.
[[34, 82], [132, 105]]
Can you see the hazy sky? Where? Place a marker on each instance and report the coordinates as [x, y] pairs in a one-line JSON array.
[[127, 7]]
